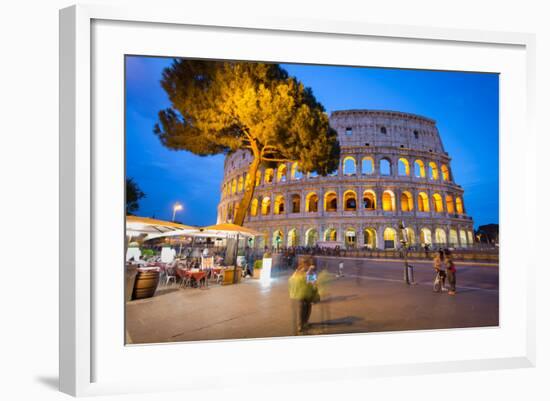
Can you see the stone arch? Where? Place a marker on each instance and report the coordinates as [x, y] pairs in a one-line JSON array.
[[277, 238], [445, 172], [434, 172], [411, 236], [281, 173], [367, 165], [311, 237], [463, 238], [312, 203], [240, 184], [268, 176], [406, 202], [247, 181], [390, 238], [459, 205], [385, 166], [403, 167], [437, 202], [266, 205], [349, 165], [423, 202], [279, 206], [453, 238], [369, 200], [450, 204], [350, 237], [234, 186], [295, 173], [440, 237], [258, 178], [295, 202], [419, 169], [388, 201], [254, 207], [330, 234], [292, 238], [350, 200], [425, 236], [369, 236], [331, 202]]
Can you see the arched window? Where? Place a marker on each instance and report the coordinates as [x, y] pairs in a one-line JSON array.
[[350, 238], [425, 236], [312, 202], [438, 203], [258, 178], [295, 174], [440, 237], [470, 238], [434, 172], [463, 239], [292, 238], [330, 234], [383, 130], [453, 237], [266, 205], [367, 165], [459, 206], [281, 173], [388, 201], [268, 177], [311, 237], [385, 167], [279, 204], [240, 184], [234, 186], [403, 167], [247, 181], [295, 203], [277, 238], [350, 201], [331, 202], [450, 204], [423, 202], [406, 202], [230, 212], [254, 207], [419, 170], [411, 238], [349, 166], [369, 200], [370, 238], [444, 172], [389, 238]]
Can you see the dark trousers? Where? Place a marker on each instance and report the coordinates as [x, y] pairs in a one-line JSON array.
[[451, 276]]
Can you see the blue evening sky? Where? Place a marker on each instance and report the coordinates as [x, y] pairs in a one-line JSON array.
[[464, 105]]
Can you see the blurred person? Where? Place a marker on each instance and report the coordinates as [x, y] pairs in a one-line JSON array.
[[297, 293], [439, 268], [323, 280], [451, 271]]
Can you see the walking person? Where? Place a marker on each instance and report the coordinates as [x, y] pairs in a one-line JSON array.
[[451, 271], [297, 293], [440, 268]]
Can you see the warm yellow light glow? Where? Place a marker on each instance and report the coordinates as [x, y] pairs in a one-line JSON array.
[[331, 202], [403, 167], [178, 207], [350, 200], [312, 201], [388, 201], [438, 203], [423, 203], [406, 202]]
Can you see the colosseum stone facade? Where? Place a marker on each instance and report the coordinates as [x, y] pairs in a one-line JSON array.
[[393, 168]]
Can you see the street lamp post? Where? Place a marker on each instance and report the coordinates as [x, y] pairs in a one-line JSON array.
[[177, 207]]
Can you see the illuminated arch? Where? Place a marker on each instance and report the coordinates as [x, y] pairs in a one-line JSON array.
[[350, 201], [292, 238], [388, 201], [406, 202], [450, 204], [369, 235], [295, 200], [463, 238], [369, 200], [389, 238], [277, 238], [230, 212], [419, 169], [268, 176], [423, 202], [453, 237], [330, 235], [312, 203], [240, 184], [279, 206], [331, 202], [437, 202], [247, 181], [350, 237], [266, 205], [425, 236], [258, 178], [295, 173], [254, 207], [411, 236], [444, 172], [367, 165], [440, 237], [349, 165], [434, 172], [403, 167], [459, 205], [234, 186], [470, 238], [311, 237], [281, 173], [385, 166]]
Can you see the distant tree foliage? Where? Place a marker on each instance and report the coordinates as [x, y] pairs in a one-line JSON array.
[[133, 196], [221, 107]]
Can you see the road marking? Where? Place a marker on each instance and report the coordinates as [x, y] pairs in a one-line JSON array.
[[426, 283]]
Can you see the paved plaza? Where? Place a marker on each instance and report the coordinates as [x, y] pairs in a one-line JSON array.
[[370, 297]]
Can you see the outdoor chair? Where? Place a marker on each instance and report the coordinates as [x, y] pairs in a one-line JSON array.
[[169, 275]]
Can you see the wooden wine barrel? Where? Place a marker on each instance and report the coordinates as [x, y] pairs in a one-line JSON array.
[[146, 284]]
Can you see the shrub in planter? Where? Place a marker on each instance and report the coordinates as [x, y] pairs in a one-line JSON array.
[[257, 268]]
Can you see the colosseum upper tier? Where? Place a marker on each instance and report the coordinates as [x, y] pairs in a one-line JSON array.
[[393, 168]]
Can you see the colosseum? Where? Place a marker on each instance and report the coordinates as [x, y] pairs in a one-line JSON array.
[[393, 169]]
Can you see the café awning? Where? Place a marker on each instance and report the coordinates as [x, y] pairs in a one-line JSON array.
[[136, 225]]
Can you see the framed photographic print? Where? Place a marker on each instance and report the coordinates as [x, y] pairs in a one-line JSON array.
[[246, 191]]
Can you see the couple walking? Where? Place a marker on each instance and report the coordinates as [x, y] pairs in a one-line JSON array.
[[305, 287], [445, 269]]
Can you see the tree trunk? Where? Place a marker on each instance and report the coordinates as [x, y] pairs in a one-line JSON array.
[[248, 193]]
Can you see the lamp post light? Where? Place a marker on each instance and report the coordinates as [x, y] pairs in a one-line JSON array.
[[177, 207]]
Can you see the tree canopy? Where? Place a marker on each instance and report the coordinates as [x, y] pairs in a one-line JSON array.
[[133, 196], [221, 107]]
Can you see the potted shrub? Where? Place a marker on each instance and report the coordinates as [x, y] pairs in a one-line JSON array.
[[257, 269]]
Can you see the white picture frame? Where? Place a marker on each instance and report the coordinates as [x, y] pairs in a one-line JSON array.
[[89, 366]]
